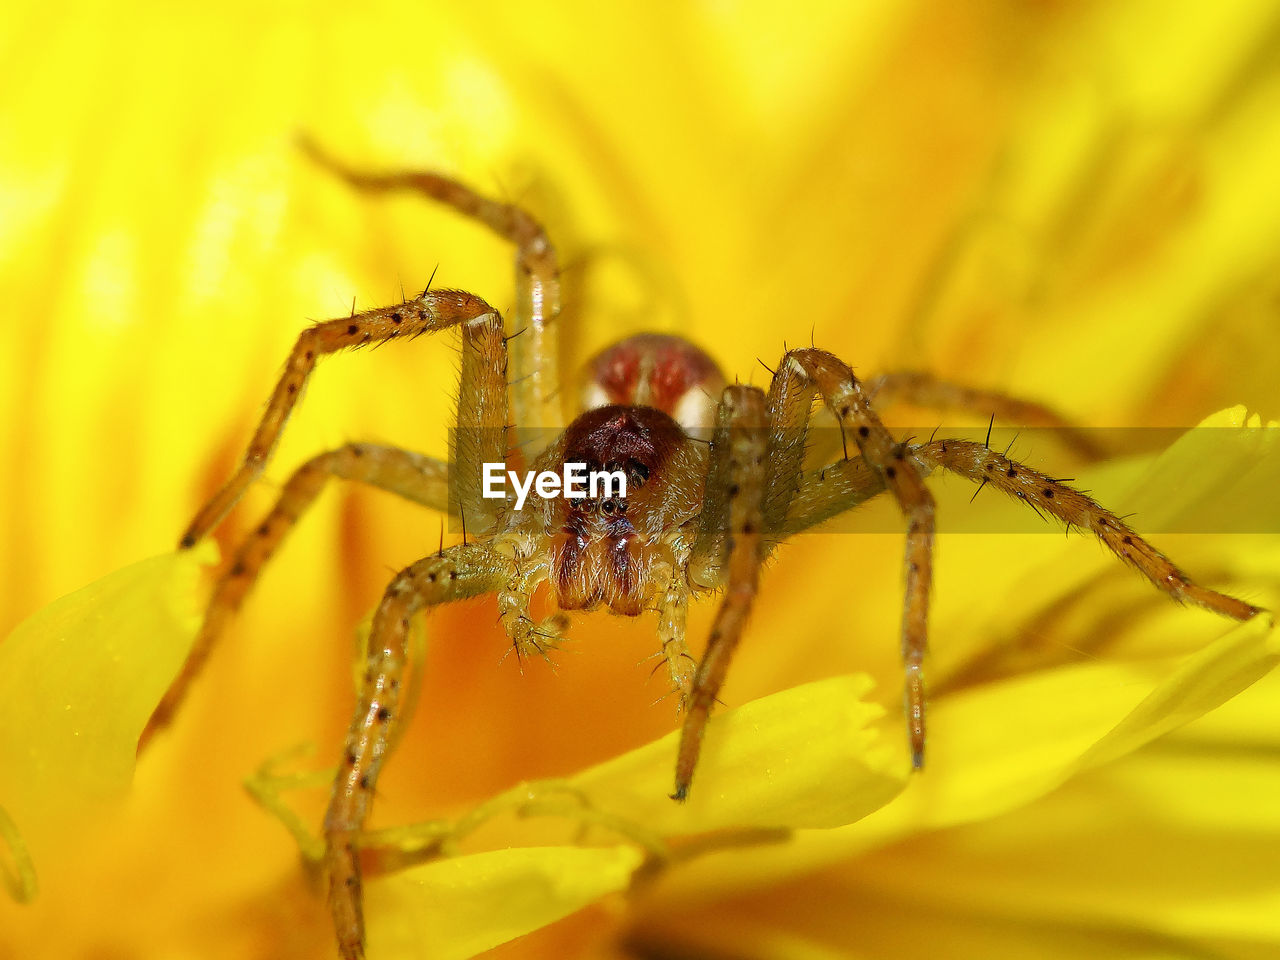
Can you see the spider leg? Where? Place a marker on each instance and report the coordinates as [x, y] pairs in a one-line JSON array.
[[480, 435], [411, 475], [831, 490], [532, 334], [789, 409], [983, 465], [433, 310], [738, 456], [826, 492], [462, 571], [515, 598], [926, 390], [809, 371], [673, 610]]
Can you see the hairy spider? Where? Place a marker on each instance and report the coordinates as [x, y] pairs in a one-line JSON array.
[[695, 517]]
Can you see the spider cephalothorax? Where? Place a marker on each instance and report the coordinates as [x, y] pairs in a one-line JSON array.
[[695, 515], [604, 550]]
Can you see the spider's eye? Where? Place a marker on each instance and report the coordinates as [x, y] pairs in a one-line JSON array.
[[608, 506], [637, 472]]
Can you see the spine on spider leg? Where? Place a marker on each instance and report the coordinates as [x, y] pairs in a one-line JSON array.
[[1047, 495]]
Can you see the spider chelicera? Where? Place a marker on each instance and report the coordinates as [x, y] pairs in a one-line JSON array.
[[696, 516]]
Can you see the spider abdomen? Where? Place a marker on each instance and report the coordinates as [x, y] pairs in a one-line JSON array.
[[656, 370]]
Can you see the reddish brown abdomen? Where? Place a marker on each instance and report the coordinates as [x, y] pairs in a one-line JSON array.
[[656, 370]]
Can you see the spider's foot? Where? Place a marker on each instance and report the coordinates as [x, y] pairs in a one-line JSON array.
[[681, 695], [681, 668], [540, 639]]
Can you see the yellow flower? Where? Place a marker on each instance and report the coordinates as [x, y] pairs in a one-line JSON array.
[[1075, 205]]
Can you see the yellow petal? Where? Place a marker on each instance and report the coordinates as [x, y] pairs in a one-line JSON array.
[[811, 756], [1186, 848], [1203, 683], [1170, 853], [1220, 477], [78, 681], [457, 908], [998, 747]]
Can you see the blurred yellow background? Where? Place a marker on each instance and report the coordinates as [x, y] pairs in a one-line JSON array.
[[1071, 202]]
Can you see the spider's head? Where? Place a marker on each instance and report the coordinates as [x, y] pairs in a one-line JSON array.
[[656, 370], [604, 546]]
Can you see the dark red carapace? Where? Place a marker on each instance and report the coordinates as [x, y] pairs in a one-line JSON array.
[[606, 544]]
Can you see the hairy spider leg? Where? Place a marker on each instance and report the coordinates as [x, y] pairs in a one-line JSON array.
[[532, 331], [737, 456], [433, 310], [480, 436], [834, 488], [980, 464], [673, 613], [464, 570], [410, 475], [829, 491], [826, 492], [813, 372], [528, 637]]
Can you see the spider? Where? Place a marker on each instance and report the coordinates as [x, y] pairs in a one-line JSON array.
[[695, 516]]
